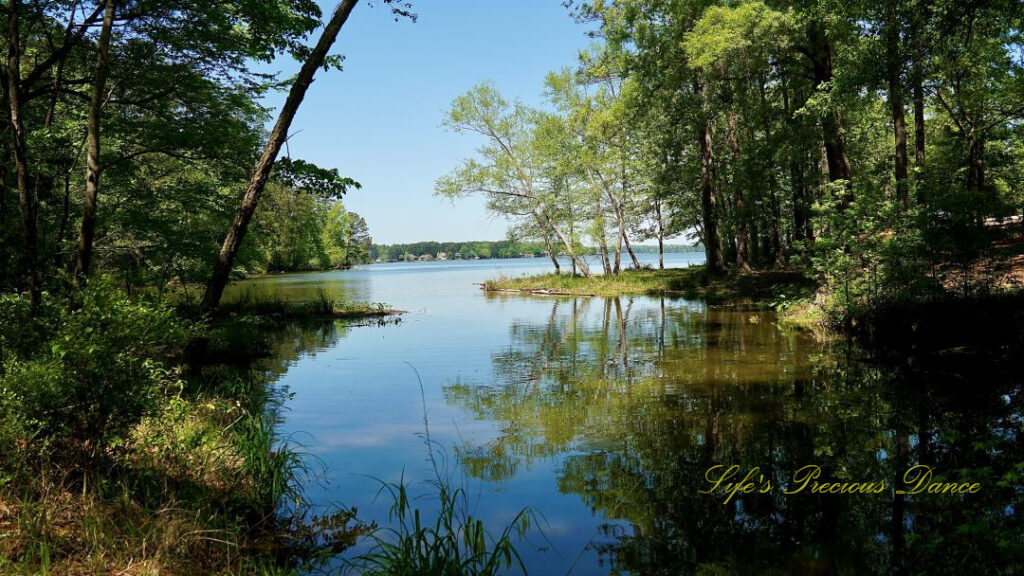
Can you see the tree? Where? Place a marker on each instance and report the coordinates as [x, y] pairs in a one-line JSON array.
[[508, 173], [93, 150], [29, 202], [236, 233]]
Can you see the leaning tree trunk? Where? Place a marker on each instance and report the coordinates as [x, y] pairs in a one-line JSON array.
[[551, 254], [894, 69], [629, 250], [622, 214], [546, 222], [240, 224], [92, 181]]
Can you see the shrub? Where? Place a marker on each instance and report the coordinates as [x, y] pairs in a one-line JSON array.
[[97, 375]]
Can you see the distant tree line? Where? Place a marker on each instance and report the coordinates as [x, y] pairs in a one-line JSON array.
[[492, 249]]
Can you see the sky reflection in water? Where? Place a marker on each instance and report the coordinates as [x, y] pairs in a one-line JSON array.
[[604, 414]]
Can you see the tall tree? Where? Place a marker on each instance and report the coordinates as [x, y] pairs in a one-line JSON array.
[[236, 233], [93, 166], [29, 202], [894, 63], [512, 169]]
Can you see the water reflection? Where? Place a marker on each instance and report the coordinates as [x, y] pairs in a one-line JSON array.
[[637, 398]]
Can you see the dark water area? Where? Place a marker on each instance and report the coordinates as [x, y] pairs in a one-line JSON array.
[[605, 415]]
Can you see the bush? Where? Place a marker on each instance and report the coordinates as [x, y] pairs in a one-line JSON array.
[[95, 377]]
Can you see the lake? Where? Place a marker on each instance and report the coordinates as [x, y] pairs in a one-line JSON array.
[[604, 417]]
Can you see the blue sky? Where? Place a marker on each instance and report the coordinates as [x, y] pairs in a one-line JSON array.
[[378, 120]]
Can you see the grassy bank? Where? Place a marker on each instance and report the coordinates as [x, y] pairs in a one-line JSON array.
[[933, 320], [273, 306], [119, 455], [765, 288]]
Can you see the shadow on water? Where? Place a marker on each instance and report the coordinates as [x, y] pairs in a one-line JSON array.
[[639, 398], [629, 401]]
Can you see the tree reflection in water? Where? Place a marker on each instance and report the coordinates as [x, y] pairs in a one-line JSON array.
[[639, 397]]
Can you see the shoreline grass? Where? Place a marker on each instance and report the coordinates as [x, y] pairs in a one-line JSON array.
[[203, 486], [767, 288], [120, 455], [273, 306]]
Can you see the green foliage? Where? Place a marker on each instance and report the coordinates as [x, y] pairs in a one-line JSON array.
[[455, 543], [322, 183], [346, 238], [294, 231], [96, 376]]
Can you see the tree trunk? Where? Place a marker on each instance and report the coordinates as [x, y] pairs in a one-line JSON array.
[[832, 121], [622, 214], [629, 250], [894, 69], [93, 168], [755, 243], [617, 267], [547, 223], [801, 206], [779, 260], [602, 242], [776, 206], [28, 201], [801, 221], [742, 233], [917, 81], [975, 160], [551, 254], [708, 191], [661, 235], [229, 250]]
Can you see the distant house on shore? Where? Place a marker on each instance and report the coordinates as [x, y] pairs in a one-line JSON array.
[[442, 255], [426, 258]]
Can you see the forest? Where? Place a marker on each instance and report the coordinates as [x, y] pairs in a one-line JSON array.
[[177, 101], [875, 146]]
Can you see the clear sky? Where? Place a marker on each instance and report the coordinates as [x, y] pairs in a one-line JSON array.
[[379, 120]]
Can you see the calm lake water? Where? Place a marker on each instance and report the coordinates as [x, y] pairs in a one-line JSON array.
[[604, 416]]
